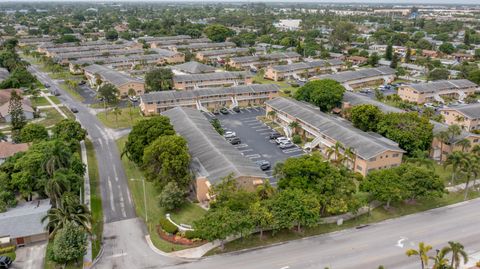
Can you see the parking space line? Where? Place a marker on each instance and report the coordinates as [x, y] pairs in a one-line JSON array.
[[291, 150], [251, 120], [245, 150], [262, 129], [298, 155], [264, 133], [240, 146], [253, 156]]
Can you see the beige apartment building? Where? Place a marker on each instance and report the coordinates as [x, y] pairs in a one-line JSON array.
[[440, 150], [121, 81], [303, 69], [209, 55], [259, 61], [212, 157], [467, 116], [437, 91], [209, 80], [361, 78], [370, 151], [208, 99]]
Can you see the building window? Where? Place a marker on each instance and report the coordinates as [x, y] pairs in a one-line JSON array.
[[373, 159], [359, 167], [395, 155]]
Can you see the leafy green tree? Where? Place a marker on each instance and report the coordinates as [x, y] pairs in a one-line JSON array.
[[262, 218], [373, 59], [55, 187], [111, 35], [424, 44], [325, 93], [389, 52], [69, 244], [447, 48], [409, 130], [474, 76], [33, 132], [172, 196], [366, 117], [342, 32], [421, 182], [143, 133], [438, 74], [408, 55], [68, 129], [109, 93], [218, 32], [15, 110], [385, 186], [295, 208], [455, 160], [159, 79], [167, 160], [394, 62], [217, 126]]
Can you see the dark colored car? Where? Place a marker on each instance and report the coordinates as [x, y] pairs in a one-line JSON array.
[[275, 135], [5, 262], [82, 82], [234, 141], [264, 165], [224, 110], [47, 85], [236, 109], [74, 109]]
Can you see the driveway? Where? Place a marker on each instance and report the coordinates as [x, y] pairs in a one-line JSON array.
[[254, 134], [30, 257]]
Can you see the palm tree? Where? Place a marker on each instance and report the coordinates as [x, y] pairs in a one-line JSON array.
[[422, 253], [464, 143], [440, 260], [350, 156], [458, 253], [471, 167], [476, 150], [271, 114], [336, 152], [455, 160], [59, 157], [117, 112], [55, 187], [294, 125], [57, 218]]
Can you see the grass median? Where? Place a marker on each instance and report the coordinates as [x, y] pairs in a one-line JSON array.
[[125, 118], [187, 214]]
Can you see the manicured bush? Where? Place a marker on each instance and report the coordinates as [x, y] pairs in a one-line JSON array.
[[167, 226], [192, 235], [7, 249], [296, 139], [295, 85], [287, 91]]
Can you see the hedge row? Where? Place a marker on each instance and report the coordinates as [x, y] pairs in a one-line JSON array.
[[193, 235], [167, 226], [7, 249]]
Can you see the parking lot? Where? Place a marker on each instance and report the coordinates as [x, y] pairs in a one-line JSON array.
[[254, 134]]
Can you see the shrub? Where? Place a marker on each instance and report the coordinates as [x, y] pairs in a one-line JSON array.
[[193, 235], [295, 85], [287, 91], [167, 226], [7, 249], [296, 139]]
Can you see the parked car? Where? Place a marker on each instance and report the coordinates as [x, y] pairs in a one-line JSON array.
[[82, 82], [264, 165], [47, 85], [74, 109], [229, 134], [281, 139], [275, 135], [55, 92], [234, 141], [5, 262], [286, 145], [236, 109], [133, 98], [224, 110], [430, 105]]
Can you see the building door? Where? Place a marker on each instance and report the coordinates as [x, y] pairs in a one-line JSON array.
[[20, 241]]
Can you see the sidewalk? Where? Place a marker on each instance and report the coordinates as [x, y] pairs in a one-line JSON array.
[[53, 104], [461, 187], [87, 259]]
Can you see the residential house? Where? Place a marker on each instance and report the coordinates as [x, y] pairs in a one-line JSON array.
[[121, 81], [22, 225], [437, 91], [357, 60], [216, 79], [8, 149], [212, 157], [306, 69], [467, 116], [208, 99], [362, 78], [369, 151], [4, 74], [28, 110]]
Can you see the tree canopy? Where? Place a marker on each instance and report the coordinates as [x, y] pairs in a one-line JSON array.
[[324, 93], [366, 117], [218, 32], [159, 79]]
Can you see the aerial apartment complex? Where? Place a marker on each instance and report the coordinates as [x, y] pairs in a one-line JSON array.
[[306, 69], [352, 80], [437, 91], [208, 80], [120, 80], [467, 116], [259, 61]]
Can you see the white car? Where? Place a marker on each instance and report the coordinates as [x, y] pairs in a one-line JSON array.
[[282, 139], [229, 134]]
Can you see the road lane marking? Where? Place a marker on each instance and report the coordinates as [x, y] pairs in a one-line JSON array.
[[112, 205], [122, 204], [245, 150]]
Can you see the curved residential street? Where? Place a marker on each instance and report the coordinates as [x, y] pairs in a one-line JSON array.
[[124, 234]]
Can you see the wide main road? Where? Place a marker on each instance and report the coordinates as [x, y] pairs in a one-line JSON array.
[[124, 234], [383, 243]]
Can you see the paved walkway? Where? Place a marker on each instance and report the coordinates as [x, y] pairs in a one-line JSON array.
[[30, 257], [461, 187], [53, 104], [87, 259]]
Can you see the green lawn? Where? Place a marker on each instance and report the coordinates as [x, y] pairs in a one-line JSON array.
[[127, 118], [72, 92], [284, 86], [186, 214], [95, 199], [55, 99], [39, 101], [377, 215], [51, 117]]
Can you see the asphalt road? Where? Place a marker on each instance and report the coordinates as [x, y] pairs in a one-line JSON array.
[[124, 234], [383, 243]]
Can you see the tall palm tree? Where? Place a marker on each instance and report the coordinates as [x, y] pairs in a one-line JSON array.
[[336, 152], [471, 167], [57, 218], [421, 252], [350, 156], [59, 156], [55, 187], [271, 114], [476, 150], [458, 253], [465, 144], [440, 261], [117, 112], [455, 160], [294, 125]]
